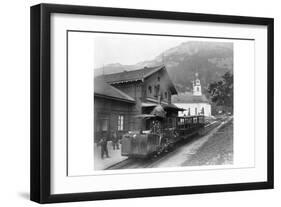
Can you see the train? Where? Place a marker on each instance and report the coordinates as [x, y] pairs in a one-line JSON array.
[[162, 135]]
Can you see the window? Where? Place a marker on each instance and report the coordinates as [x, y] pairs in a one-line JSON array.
[[195, 111], [149, 89], [158, 78], [156, 90], [166, 95], [120, 125], [194, 119], [98, 126], [104, 124], [181, 123], [202, 111]]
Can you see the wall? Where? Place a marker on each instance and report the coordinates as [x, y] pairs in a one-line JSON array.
[[109, 110], [134, 90], [14, 104], [192, 107], [163, 86]]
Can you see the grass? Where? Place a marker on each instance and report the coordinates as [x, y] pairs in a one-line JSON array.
[[218, 150]]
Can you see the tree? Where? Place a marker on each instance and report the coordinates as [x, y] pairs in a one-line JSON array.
[[221, 92]]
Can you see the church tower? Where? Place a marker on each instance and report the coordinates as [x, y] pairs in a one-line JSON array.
[[196, 86]]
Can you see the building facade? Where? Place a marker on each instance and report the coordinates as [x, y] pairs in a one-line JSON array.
[[122, 100], [112, 109], [194, 103]]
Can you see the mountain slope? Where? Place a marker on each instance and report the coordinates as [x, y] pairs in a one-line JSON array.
[[209, 59]]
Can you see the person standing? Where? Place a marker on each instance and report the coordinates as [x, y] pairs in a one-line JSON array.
[[103, 144], [115, 141]]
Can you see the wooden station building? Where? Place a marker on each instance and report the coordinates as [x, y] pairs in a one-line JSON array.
[[120, 99]]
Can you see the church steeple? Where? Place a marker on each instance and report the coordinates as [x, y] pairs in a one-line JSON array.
[[196, 86]]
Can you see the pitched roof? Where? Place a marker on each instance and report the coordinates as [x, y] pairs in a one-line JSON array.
[[102, 89], [188, 97], [133, 75], [137, 75]]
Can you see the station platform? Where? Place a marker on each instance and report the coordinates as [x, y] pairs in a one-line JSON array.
[[114, 157]]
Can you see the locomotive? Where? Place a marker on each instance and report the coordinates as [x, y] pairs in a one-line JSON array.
[[162, 135]]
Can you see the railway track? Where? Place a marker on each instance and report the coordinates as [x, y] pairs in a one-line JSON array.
[[134, 163]]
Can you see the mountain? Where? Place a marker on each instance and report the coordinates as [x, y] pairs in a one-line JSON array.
[[209, 59]]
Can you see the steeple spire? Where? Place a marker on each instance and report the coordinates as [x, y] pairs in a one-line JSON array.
[[197, 86]]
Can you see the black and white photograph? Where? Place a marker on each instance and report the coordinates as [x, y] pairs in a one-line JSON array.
[[162, 101], [157, 103]]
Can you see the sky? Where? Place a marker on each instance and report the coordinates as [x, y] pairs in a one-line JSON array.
[[130, 49]]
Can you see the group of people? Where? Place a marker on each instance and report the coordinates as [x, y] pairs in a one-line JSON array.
[[103, 143]]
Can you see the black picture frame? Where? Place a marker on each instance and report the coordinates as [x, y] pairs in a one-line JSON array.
[[41, 99]]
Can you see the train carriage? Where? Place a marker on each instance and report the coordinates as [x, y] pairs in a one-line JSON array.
[[162, 134]]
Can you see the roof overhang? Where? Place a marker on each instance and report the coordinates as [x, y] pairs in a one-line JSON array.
[[114, 98], [145, 116], [145, 104], [126, 81], [173, 107], [154, 71]]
